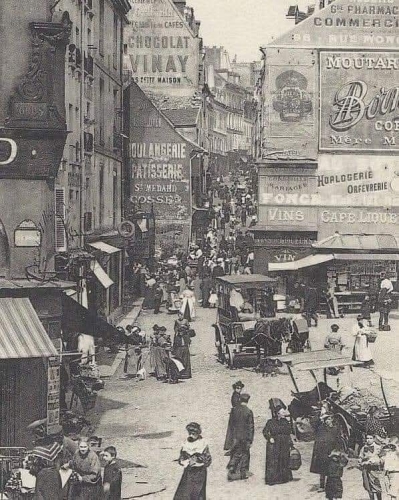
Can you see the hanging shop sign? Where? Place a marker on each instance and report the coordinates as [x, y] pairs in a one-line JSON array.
[[370, 24], [8, 151], [359, 101], [291, 103], [162, 51]]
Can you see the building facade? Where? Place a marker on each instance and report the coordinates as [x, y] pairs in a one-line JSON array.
[[327, 148], [32, 137], [89, 184]]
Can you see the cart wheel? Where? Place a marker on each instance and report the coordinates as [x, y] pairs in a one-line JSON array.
[[344, 431], [221, 355]]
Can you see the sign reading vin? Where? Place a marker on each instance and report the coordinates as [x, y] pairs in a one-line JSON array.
[[359, 101]]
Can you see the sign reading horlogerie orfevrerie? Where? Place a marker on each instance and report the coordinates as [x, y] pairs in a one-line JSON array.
[[359, 94]]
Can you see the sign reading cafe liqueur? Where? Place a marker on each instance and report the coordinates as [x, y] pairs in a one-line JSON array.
[[359, 101]]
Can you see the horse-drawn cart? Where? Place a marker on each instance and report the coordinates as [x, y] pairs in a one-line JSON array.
[[242, 336]]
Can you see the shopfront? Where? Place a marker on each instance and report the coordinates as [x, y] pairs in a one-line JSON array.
[[330, 147]]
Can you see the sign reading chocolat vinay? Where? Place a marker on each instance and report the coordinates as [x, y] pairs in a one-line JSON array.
[[359, 94], [162, 51]]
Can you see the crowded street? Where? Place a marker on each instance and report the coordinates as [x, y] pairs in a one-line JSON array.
[[199, 250]]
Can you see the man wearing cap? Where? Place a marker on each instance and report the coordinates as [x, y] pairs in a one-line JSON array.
[[243, 434]]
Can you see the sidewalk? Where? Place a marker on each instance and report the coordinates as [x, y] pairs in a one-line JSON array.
[[107, 370]]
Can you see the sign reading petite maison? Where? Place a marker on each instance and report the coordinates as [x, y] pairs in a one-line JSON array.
[[359, 101], [162, 51]]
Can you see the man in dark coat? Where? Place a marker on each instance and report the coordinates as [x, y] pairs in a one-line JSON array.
[[206, 287], [311, 304], [243, 434], [327, 439]]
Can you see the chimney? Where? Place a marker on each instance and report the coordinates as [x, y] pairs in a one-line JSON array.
[[180, 4]]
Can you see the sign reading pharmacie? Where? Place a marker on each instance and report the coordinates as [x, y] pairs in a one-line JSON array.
[[359, 94], [162, 51], [366, 24]]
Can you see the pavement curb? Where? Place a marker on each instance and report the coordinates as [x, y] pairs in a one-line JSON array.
[[130, 318]]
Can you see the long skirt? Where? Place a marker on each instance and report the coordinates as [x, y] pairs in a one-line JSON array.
[[371, 481], [229, 441], [183, 353], [86, 491], [159, 361], [192, 485], [334, 488], [277, 461]]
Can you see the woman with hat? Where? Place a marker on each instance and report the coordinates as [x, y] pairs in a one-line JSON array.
[[195, 458], [361, 349], [181, 348], [188, 304], [277, 433], [235, 401]]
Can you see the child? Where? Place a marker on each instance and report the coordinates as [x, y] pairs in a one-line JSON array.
[[213, 299], [112, 482], [335, 469]]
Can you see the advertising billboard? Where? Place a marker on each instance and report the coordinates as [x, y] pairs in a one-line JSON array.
[[370, 24], [290, 106], [162, 52], [159, 171], [359, 95]]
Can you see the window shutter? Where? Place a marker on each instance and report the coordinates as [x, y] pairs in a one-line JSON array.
[[60, 235]]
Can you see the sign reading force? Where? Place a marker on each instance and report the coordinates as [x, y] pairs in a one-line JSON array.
[[359, 101]]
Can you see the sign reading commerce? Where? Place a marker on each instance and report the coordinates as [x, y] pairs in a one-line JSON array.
[[370, 24], [359, 101]]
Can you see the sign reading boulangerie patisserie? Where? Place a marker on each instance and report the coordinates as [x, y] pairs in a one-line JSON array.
[[359, 101]]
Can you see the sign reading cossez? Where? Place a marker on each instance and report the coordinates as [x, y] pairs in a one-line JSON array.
[[359, 101], [161, 49], [160, 174]]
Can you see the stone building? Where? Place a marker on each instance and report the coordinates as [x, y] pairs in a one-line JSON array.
[[89, 184]]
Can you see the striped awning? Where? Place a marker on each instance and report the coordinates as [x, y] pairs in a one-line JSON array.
[[22, 334]]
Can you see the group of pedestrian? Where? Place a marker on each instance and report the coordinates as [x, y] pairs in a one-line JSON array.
[[67, 469]]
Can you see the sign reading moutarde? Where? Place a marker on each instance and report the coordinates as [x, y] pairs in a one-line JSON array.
[[359, 101]]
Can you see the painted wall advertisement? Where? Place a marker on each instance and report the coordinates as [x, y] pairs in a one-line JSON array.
[[349, 24], [53, 394], [162, 51], [290, 106], [359, 101], [341, 181]]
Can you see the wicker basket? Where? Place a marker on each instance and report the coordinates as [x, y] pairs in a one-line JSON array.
[[371, 336]]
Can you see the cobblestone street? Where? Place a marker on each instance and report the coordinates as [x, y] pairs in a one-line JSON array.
[[146, 420]]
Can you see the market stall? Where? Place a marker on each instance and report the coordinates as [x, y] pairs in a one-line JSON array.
[[349, 264]]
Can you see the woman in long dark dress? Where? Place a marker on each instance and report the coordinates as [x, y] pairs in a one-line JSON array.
[[235, 401], [327, 439], [277, 433], [195, 458], [88, 468], [181, 349]]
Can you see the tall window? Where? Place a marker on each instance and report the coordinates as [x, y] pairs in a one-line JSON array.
[[101, 112], [115, 198], [115, 42], [101, 30], [101, 194]]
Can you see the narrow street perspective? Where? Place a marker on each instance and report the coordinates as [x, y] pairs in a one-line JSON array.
[[199, 249]]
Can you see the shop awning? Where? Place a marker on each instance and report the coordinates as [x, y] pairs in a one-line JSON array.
[[314, 260], [78, 319], [104, 247], [22, 334], [101, 275], [310, 260]]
